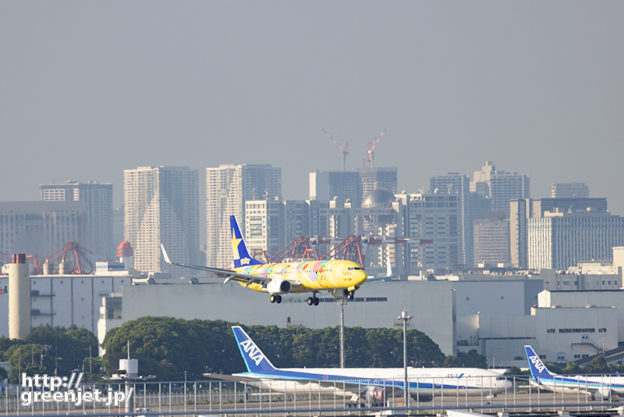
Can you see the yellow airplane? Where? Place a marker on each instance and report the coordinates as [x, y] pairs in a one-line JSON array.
[[341, 278]]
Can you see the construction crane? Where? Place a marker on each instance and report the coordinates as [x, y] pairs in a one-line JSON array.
[[342, 146], [74, 256], [370, 152]]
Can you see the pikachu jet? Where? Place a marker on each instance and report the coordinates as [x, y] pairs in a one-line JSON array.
[[340, 278]]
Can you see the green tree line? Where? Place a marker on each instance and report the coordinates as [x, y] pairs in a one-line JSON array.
[[168, 347], [49, 350]]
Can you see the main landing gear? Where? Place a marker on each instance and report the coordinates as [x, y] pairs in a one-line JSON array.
[[313, 301], [275, 298]]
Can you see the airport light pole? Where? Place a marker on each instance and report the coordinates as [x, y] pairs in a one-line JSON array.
[[404, 317], [342, 303]]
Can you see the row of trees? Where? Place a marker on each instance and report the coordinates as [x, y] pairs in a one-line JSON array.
[[167, 347], [49, 350]]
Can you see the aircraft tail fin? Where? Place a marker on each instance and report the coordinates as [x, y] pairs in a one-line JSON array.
[[239, 248], [254, 359], [537, 367]]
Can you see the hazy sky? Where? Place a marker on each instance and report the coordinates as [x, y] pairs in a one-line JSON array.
[[88, 89]]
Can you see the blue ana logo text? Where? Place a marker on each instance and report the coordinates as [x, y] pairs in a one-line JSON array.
[[535, 360], [254, 353]]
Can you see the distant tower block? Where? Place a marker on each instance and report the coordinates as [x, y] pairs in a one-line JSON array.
[[125, 254], [19, 297]]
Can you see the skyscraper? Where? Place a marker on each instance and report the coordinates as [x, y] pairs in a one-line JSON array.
[[228, 187], [346, 185], [99, 199], [264, 225], [161, 206], [523, 209], [569, 190], [560, 240], [456, 184], [430, 222], [41, 227], [491, 239], [378, 178], [500, 186]]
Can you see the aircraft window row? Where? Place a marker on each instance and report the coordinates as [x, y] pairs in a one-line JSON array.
[[355, 268]]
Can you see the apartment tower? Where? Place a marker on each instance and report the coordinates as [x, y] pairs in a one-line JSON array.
[[228, 187], [161, 205]]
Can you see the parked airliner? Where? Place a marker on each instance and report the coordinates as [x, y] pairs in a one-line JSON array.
[[341, 278], [594, 385], [357, 382]]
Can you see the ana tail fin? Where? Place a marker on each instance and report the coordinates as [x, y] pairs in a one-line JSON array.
[[239, 248], [537, 367], [252, 355]]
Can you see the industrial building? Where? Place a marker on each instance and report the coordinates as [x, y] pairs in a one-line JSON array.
[[68, 299]]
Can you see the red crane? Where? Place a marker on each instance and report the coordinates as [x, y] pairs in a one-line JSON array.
[[370, 152], [71, 255], [342, 146]]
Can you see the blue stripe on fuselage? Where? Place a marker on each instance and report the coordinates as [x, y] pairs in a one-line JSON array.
[[279, 374], [578, 383]]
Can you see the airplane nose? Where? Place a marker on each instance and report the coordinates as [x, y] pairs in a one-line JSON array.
[[361, 277]]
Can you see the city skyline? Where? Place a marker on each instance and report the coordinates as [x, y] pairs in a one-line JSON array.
[[91, 89]]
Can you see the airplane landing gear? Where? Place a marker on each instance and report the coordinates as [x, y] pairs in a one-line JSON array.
[[350, 295], [275, 298], [313, 300]]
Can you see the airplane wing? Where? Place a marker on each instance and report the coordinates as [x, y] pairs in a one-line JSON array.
[[228, 274], [224, 377]]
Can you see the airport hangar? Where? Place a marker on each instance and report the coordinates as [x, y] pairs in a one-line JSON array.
[[494, 317], [490, 313]]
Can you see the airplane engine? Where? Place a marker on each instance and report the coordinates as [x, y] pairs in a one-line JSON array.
[[340, 293], [278, 286]]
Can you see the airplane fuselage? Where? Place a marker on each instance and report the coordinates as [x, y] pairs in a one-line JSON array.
[[425, 381], [588, 384], [311, 275]]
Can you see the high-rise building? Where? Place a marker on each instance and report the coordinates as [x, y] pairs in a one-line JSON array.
[[456, 184], [346, 185], [559, 240], [296, 219], [228, 187], [41, 227], [99, 199], [491, 240], [264, 226], [319, 218], [431, 223], [523, 209], [378, 179], [569, 190], [161, 206], [500, 186]]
